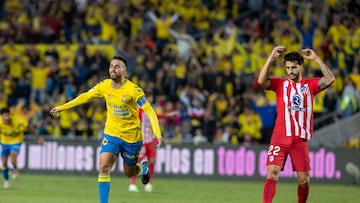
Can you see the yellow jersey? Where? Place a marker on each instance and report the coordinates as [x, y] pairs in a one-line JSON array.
[[14, 132], [122, 119]]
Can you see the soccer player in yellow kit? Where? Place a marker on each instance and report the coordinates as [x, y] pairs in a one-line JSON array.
[[122, 133], [12, 130]]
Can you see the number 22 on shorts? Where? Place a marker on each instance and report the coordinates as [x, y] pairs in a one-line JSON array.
[[273, 151]]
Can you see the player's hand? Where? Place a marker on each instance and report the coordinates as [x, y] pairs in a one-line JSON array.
[[159, 142], [54, 111], [309, 54], [277, 51]]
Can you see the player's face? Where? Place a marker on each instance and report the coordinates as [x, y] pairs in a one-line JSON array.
[[293, 70], [5, 118], [117, 70]]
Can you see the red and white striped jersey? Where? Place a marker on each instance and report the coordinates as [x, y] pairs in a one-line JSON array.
[[294, 106], [146, 127]]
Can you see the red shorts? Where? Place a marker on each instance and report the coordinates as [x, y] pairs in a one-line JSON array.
[[298, 151], [148, 151]]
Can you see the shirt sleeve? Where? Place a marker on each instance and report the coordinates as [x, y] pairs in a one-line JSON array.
[[83, 98], [139, 96], [154, 121], [314, 87], [142, 102], [274, 83]]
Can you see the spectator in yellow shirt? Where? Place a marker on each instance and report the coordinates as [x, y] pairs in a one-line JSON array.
[[92, 18], [108, 30], [39, 75], [162, 27], [337, 30], [251, 125], [16, 66]]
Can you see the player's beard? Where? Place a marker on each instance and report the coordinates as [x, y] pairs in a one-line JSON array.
[[294, 77], [116, 78]]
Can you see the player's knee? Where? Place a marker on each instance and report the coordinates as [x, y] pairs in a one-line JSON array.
[[273, 174], [105, 168], [304, 181]]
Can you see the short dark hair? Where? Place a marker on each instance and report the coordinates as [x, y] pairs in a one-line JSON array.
[[294, 56], [121, 58], [4, 110]]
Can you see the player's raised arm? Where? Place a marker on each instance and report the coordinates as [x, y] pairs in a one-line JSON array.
[[263, 79], [328, 77]]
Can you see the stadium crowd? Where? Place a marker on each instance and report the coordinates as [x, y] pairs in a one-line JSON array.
[[198, 59]]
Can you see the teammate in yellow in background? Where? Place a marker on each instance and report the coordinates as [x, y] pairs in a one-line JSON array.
[[122, 133], [12, 130]]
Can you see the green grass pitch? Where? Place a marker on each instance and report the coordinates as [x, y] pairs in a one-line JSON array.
[[83, 189]]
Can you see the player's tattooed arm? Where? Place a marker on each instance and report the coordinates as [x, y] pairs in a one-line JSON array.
[[328, 77]]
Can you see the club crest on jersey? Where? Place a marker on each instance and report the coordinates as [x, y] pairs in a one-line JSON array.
[[304, 89], [123, 99]]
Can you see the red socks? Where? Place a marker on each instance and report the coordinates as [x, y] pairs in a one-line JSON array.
[[151, 170], [132, 180], [269, 190], [303, 193]]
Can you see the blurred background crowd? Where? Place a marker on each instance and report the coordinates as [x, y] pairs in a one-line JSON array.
[[196, 60]]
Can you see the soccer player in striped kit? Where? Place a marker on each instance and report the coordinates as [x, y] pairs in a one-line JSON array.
[[294, 123]]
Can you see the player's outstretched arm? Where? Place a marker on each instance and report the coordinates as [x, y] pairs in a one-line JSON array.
[[328, 77], [81, 99], [263, 79]]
